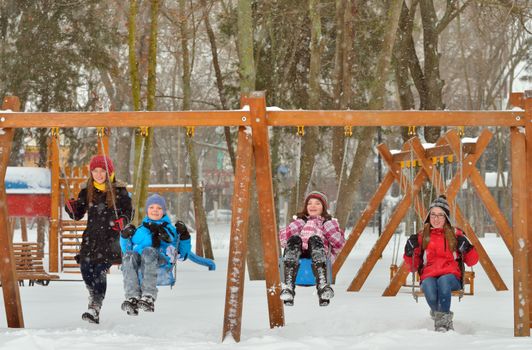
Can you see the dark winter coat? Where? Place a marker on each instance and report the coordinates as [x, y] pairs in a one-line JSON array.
[[100, 242], [438, 259]]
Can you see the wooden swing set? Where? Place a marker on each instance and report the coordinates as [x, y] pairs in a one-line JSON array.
[[253, 145]]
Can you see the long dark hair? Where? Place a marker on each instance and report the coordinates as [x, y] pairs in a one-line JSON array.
[[448, 231], [110, 190]]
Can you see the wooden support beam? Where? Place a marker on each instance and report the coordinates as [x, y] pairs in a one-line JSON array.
[[395, 118], [387, 233], [520, 236], [435, 176], [55, 193], [397, 281], [123, 119], [268, 222], [362, 222], [236, 264], [10, 290]]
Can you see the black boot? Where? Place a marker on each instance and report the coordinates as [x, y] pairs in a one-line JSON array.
[[325, 292], [289, 285], [92, 315], [147, 303], [131, 306]]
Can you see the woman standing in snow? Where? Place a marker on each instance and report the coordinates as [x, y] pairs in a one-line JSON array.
[[437, 253], [108, 207], [312, 233]]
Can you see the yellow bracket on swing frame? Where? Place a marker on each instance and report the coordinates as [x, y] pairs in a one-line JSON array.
[[54, 132], [190, 130], [300, 130], [143, 131], [412, 131], [102, 131], [348, 131]]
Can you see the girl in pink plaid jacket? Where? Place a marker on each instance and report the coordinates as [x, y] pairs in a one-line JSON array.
[[312, 234]]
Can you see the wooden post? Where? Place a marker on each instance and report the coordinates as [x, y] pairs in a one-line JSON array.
[[10, 290], [236, 265], [268, 222], [521, 239], [55, 200], [528, 116], [23, 229]]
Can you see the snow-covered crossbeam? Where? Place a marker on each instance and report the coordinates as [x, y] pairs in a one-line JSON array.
[[28, 191]]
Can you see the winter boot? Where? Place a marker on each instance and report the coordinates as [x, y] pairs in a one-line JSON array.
[[131, 306], [325, 292], [289, 285], [146, 303], [92, 315], [443, 321]]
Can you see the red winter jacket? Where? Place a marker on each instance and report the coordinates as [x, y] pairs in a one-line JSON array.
[[438, 260]]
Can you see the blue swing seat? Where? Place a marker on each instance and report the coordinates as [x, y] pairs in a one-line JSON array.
[[305, 276]]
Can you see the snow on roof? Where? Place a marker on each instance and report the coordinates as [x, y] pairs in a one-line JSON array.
[[26, 180]]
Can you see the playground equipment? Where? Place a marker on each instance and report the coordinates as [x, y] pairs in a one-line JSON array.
[[253, 141]]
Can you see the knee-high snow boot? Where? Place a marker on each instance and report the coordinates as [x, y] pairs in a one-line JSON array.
[[443, 321], [325, 292], [289, 283]]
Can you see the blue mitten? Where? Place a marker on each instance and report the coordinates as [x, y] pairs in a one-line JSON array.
[[184, 249]]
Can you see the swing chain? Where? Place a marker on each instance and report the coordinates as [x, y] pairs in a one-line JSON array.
[[190, 131], [300, 130]]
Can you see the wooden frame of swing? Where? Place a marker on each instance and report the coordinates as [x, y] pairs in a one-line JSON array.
[[253, 142]]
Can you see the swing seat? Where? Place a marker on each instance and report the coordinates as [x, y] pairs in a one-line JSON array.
[[469, 280], [165, 276], [305, 276]]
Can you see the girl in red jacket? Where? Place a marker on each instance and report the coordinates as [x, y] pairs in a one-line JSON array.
[[435, 252], [312, 233]]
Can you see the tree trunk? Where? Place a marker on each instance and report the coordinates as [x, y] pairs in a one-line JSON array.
[[255, 260], [219, 79], [197, 195], [365, 140]]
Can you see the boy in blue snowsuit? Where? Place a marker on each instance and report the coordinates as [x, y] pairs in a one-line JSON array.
[[154, 244]]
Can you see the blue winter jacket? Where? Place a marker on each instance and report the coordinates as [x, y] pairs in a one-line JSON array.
[[143, 238]]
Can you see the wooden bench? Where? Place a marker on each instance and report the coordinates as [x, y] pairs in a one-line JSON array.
[[29, 264]]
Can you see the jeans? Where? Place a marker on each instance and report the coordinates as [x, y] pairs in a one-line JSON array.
[[438, 291], [134, 266], [95, 278]]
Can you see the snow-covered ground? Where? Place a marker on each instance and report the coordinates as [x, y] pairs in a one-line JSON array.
[[190, 316]]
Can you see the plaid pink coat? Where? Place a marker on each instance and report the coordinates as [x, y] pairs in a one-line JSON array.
[[329, 231]]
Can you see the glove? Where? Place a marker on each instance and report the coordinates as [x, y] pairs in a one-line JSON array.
[[158, 233], [182, 229], [463, 244], [128, 231], [411, 244], [184, 249], [120, 223], [70, 207]]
